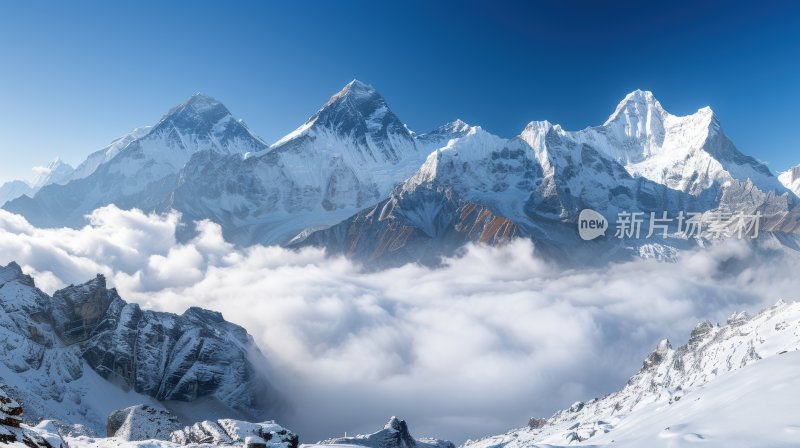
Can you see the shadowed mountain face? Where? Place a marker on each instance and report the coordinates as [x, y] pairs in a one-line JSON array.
[[86, 333], [353, 178], [417, 226]]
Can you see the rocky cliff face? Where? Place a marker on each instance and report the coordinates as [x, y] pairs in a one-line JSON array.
[[415, 226], [73, 356], [168, 357]]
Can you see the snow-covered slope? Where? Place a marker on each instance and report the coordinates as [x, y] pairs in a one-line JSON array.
[[102, 156], [731, 385], [143, 171], [84, 352], [205, 434], [791, 179], [346, 157]]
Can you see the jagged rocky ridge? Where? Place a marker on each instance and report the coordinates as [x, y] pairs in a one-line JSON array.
[[353, 178], [78, 355], [395, 434], [671, 375]]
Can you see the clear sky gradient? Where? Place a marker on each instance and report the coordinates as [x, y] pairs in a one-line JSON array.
[[75, 75]]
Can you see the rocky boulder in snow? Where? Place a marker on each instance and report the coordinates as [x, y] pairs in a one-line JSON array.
[[141, 422], [234, 432], [14, 432]]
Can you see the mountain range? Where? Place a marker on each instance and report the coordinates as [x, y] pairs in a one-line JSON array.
[[356, 180]]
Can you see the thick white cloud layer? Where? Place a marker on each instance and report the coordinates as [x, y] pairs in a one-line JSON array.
[[471, 348]]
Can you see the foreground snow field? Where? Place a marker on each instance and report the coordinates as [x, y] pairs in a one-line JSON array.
[[729, 386]]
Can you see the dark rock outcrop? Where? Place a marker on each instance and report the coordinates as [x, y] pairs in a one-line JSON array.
[[395, 434], [13, 432], [166, 356]]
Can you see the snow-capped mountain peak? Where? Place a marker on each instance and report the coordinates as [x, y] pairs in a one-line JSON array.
[[357, 127], [791, 179], [13, 272], [639, 104], [454, 127], [535, 132], [142, 165], [357, 112], [56, 172], [688, 153], [359, 108], [357, 88], [206, 118], [440, 136]]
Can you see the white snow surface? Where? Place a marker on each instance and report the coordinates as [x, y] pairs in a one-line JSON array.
[[102, 156], [730, 386], [205, 434], [791, 179]]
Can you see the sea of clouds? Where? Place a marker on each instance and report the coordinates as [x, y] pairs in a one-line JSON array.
[[471, 348]]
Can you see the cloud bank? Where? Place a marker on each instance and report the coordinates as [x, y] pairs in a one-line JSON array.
[[471, 348]]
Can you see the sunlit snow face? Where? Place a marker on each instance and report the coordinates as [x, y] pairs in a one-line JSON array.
[[491, 337]]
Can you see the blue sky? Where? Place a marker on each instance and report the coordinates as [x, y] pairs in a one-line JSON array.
[[75, 75]]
